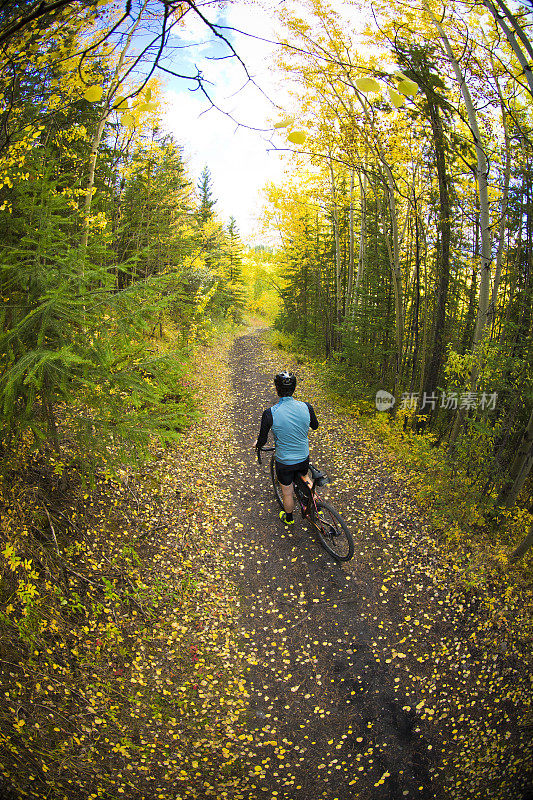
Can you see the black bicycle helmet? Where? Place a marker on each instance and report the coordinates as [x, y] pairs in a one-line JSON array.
[[285, 383]]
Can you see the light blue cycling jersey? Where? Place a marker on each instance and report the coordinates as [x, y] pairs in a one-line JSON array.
[[290, 425]]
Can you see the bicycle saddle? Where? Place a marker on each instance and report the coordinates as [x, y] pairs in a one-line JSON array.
[[319, 477]]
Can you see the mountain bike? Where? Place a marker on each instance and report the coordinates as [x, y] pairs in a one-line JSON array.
[[333, 532]]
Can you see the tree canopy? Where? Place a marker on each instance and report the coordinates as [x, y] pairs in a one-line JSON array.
[[103, 236], [407, 225]]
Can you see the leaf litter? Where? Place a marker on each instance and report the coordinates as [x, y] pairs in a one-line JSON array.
[[385, 677], [225, 657]]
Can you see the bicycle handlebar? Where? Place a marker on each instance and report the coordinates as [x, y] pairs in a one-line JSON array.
[[263, 450]]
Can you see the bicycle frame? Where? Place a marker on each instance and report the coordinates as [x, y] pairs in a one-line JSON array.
[[333, 533], [302, 490], [305, 494]]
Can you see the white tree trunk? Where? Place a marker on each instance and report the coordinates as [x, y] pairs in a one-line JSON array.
[[361, 261], [337, 249], [482, 318], [503, 218], [482, 182], [511, 37], [351, 255]]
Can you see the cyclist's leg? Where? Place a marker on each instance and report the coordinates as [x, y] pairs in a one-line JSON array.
[[302, 470], [307, 479], [304, 489], [285, 476], [288, 498], [304, 474]]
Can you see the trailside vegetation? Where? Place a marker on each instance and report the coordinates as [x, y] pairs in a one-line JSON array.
[[117, 657], [407, 236], [113, 267]]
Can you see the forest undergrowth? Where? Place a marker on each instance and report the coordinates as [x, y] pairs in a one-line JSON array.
[[122, 665], [448, 488], [117, 662], [472, 682]]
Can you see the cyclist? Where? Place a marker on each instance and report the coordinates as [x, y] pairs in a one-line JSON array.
[[290, 421]]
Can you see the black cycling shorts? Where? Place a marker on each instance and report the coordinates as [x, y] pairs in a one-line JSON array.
[[287, 472]]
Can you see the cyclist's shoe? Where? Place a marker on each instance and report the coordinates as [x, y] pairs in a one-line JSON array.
[[283, 518]]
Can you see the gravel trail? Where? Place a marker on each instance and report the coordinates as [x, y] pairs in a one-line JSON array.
[[329, 715]]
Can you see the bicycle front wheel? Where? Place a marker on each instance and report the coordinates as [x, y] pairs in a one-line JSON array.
[[333, 532], [275, 483]]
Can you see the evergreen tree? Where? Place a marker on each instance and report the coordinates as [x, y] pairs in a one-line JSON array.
[[233, 251], [210, 231], [231, 296], [205, 187]]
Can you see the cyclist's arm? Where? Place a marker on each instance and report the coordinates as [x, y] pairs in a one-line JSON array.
[[266, 424], [313, 422]]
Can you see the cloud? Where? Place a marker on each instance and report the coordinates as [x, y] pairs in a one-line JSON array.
[[238, 158]]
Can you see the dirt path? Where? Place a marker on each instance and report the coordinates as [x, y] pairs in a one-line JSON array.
[[357, 676]]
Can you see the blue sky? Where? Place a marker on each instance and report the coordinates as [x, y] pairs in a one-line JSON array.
[[238, 158]]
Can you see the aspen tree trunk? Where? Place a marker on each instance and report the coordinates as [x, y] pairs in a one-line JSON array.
[[470, 312], [361, 261], [394, 252], [90, 182], [393, 246], [523, 547], [511, 37], [482, 175], [416, 310], [520, 468], [503, 218], [351, 246], [443, 256], [425, 326], [336, 334], [407, 242], [513, 274], [486, 256]]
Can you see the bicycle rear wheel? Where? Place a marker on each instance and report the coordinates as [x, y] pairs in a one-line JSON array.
[[275, 483], [333, 532]]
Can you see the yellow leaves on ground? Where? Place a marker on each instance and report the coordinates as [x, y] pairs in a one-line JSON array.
[[460, 678], [151, 675]]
